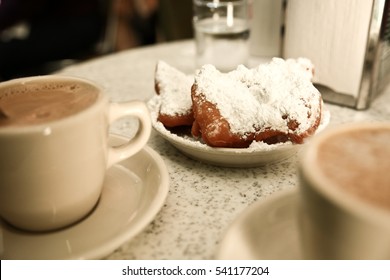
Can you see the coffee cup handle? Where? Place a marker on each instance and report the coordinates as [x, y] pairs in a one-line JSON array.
[[136, 109]]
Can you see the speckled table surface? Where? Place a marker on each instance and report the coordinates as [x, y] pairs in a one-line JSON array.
[[203, 200]]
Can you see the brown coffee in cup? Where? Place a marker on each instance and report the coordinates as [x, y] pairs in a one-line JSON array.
[[359, 162], [43, 102], [345, 193], [54, 148]]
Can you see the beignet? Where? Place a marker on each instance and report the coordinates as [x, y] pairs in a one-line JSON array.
[[273, 103], [174, 87]]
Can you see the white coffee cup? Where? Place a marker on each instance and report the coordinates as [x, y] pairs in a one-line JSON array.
[[345, 191], [52, 170]]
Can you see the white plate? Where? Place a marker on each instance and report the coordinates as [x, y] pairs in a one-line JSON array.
[[267, 230], [134, 192], [256, 155]]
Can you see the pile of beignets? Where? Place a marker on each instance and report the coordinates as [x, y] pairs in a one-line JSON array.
[[275, 102]]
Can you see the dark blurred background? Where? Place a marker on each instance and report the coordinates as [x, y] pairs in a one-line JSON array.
[[41, 36]]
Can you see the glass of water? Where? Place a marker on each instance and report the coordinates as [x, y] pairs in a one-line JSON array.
[[222, 32]]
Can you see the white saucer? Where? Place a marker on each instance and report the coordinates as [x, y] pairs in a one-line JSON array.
[[256, 155], [134, 192], [267, 230]]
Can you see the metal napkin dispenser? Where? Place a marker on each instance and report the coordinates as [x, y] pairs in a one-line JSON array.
[[348, 42]]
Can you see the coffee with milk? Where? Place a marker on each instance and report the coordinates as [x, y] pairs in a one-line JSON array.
[[345, 193], [55, 148], [43, 102], [358, 161]]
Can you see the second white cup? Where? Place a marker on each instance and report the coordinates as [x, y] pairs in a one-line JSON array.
[[345, 187]]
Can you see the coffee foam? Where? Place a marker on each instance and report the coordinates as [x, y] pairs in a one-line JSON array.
[[37, 102], [358, 162], [40, 86]]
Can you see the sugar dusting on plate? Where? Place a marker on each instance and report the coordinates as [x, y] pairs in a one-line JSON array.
[[181, 103]]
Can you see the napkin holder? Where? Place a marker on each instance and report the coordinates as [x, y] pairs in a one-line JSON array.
[[348, 42]]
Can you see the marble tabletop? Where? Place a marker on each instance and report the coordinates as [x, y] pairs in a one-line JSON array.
[[203, 200]]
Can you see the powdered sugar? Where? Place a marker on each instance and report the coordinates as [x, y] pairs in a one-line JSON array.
[[258, 153], [302, 64], [268, 96], [191, 142], [175, 89]]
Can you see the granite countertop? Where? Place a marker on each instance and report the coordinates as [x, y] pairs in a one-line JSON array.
[[203, 200]]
